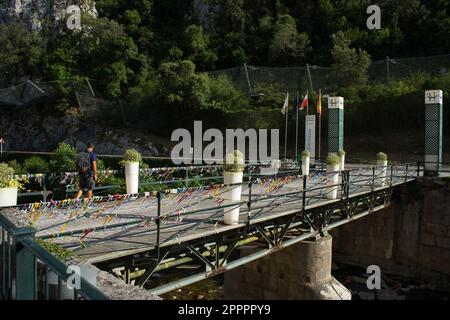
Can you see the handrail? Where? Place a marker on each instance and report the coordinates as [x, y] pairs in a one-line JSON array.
[[18, 261], [87, 290]]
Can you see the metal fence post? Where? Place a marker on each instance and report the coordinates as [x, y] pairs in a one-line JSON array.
[[406, 172], [187, 178], [348, 185], [373, 179], [418, 168], [343, 184], [249, 203], [158, 224], [304, 195], [44, 188], [25, 266], [392, 175]]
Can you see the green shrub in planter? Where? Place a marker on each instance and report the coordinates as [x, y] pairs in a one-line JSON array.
[[341, 153], [7, 177], [234, 162], [306, 153], [332, 159], [35, 165], [131, 155], [382, 156]]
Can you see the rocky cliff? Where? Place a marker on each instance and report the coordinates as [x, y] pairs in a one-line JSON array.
[[32, 12], [30, 129]]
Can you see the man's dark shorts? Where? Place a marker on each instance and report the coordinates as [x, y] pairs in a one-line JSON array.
[[87, 183]]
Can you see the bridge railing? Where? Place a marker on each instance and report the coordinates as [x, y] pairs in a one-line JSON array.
[[150, 178], [30, 272], [432, 167], [261, 195]]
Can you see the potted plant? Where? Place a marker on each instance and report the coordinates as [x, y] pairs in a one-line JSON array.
[[333, 166], [130, 161], [382, 168], [233, 173], [306, 156], [8, 186], [341, 154]]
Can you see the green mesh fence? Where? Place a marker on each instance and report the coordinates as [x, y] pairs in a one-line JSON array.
[[253, 80], [256, 80]]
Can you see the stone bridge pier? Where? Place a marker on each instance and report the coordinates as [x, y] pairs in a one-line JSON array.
[[301, 271]]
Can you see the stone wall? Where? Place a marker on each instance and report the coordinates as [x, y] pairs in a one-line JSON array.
[[411, 237]]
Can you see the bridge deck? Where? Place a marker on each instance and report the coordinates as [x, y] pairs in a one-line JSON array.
[[105, 231]]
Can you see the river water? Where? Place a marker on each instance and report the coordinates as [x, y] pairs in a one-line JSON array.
[[393, 287]]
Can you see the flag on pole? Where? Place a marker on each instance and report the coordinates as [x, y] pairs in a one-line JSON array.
[[304, 102], [319, 103], [286, 104]]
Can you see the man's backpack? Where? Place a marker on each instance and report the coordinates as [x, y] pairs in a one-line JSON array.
[[84, 162]]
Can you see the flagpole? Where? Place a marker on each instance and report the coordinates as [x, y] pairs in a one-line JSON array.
[[285, 134], [296, 127], [320, 122], [307, 105]]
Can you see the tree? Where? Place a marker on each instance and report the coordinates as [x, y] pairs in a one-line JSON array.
[[288, 45], [21, 52], [350, 67], [180, 85], [196, 48]]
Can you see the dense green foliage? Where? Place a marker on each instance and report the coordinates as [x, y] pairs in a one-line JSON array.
[[150, 54], [35, 165], [64, 159], [6, 177]]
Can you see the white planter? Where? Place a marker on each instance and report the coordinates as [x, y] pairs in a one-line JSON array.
[[305, 165], [380, 179], [8, 197], [132, 177], [332, 181], [342, 165], [232, 195]]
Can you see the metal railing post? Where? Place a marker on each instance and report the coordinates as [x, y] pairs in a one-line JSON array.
[[187, 178], [406, 172], [348, 184], [373, 179], [25, 266], [304, 195], [158, 224], [44, 188], [343, 184], [392, 175], [249, 203], [418, 168]]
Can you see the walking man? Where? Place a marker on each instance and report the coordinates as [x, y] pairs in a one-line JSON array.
[[87, 169]]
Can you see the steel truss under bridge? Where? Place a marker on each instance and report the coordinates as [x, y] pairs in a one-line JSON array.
[[360, 195]]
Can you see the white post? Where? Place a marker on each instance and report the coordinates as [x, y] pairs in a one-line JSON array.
[[381, 175], [305, 165], [341, 154], [332, 175], [132, 177], [233, 181], [332, 181], [233, 175]]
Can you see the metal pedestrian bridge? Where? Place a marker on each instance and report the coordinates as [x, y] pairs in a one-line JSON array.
[[136, 236]]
